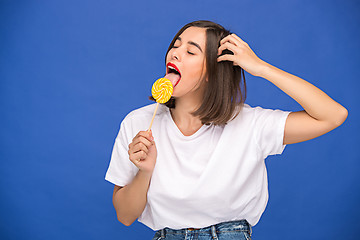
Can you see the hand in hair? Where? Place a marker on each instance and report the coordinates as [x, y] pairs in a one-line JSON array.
[[243, 55]]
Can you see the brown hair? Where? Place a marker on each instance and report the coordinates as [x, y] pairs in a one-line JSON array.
[[224, 93]]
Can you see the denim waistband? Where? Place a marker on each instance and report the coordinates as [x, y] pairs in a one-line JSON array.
[[238, 225]]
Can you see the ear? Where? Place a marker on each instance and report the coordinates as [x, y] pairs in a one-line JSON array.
[[206, 78]]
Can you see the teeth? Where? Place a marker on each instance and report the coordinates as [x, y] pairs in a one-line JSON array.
[[170, 67]]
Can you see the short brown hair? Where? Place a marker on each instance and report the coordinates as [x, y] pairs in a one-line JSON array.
[[224, 93]]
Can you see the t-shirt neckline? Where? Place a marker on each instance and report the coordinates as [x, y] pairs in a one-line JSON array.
[[179, 133]]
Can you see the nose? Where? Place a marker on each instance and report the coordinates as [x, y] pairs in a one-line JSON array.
[[175, 54]]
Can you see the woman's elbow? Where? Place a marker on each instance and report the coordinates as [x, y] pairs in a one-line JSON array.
[[341, 116], [126, 221]]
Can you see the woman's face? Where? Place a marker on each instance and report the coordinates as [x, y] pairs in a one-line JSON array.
[[188, 56]]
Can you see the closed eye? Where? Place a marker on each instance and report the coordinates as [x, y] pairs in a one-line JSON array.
[[191, 53]]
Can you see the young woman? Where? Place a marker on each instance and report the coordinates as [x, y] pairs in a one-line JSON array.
[[200, 172]]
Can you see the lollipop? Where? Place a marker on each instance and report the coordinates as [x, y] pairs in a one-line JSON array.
[[161, 90]]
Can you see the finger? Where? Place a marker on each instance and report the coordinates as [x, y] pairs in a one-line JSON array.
[[137, 157], [140, 147], [136, 135], [226, 57], [238, 38], [137, 148], [142, 139], [233, 38], [146, 134], [230, 38], [242, 41], [228, 46]]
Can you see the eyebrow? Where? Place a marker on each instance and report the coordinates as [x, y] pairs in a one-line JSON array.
[[192, 43]]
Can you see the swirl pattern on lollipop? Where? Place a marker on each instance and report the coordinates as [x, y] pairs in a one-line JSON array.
[[162, 90]]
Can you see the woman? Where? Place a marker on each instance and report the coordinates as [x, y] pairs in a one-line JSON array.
[[204, 176]]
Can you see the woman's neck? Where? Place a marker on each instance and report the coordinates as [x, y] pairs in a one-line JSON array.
[[181, 114]]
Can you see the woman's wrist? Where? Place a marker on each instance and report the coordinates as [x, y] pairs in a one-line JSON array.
[[264, 69], [145, 174]]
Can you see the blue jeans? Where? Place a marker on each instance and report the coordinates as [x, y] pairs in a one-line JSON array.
[[240, 230]]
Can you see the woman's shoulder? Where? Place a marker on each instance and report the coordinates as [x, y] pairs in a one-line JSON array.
[[245, 110], [253, 112]]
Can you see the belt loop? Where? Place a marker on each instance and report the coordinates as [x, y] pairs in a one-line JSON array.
[[213, 232], [162, 233]]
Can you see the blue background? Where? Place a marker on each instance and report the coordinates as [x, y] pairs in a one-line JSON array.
[[71, 70]]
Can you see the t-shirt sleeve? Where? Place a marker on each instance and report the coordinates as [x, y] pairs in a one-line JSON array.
[[121, 170], [269, 130]]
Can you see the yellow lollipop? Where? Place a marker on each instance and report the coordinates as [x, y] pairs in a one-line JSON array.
[[161, 90]]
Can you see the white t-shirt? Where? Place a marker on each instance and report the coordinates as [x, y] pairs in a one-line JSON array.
[[217, 174]]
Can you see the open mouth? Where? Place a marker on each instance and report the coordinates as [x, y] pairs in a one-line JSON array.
[[173, 74]]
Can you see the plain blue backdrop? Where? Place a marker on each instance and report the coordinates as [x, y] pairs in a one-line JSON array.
[[71, 70]]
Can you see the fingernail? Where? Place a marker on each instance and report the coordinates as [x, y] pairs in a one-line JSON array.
[[151, 136]]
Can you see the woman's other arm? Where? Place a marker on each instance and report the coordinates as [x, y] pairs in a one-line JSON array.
[[321, 113], [129, 201]]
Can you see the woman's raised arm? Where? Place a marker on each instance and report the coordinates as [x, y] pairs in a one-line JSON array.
[[321, 113]]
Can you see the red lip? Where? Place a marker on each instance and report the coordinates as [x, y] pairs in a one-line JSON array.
[[174, 66]]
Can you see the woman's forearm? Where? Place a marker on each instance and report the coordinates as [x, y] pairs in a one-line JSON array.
[[314, 101], [130, 201]]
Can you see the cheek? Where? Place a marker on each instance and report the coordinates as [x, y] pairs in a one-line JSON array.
[[200, 69]]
